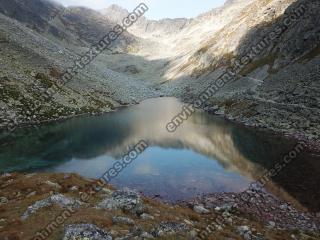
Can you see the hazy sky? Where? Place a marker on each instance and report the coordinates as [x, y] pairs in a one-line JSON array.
[[157, 8]]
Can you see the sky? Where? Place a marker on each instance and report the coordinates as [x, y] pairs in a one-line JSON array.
[[158, 9]]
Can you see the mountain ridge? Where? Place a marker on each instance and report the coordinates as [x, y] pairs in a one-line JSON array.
[[169, 57]]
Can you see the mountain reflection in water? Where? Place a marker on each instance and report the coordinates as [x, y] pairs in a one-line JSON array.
[[206, 154]]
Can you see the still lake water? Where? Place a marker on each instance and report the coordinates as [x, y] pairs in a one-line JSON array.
[[206, 154]]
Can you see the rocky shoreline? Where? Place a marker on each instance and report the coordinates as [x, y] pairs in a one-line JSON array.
[[259, 203], [63, 206], [312, 144], [37, 123]]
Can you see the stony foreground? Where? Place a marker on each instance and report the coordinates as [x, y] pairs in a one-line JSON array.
[[66, 206]]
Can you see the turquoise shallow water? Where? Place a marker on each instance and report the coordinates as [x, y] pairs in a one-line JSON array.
[[206, 154]]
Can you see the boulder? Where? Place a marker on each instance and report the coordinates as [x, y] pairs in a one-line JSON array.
[[85, 232]]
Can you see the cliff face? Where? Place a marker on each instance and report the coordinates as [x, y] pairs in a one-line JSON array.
[[35, 14], [75, 25], [145, 28]]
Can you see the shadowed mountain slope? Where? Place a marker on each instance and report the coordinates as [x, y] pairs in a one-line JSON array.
[[276, 88]]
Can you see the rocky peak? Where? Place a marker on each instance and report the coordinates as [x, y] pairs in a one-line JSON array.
[[115, 13]]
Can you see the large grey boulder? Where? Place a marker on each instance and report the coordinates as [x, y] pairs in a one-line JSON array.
[[58, 199], [85, 232], [127, 200], [169, 228]]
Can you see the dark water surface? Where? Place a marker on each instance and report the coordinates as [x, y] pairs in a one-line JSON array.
[[206, 154]]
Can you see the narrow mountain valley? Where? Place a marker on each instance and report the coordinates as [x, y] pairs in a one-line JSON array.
[[239, 85], [276, 88]]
